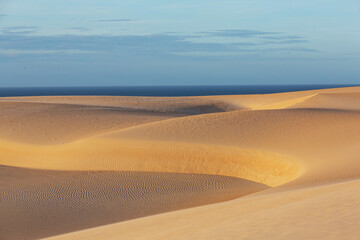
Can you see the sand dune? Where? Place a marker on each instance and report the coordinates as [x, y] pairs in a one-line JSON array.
[[37, 203], [101, 154], [104, 158], [343, 101], [328, 212], [292, 132], [44, 123], [181, 105]]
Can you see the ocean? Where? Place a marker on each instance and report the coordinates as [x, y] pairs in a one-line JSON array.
[[160, 91]]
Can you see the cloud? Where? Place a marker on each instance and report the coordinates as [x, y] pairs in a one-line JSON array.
[[282, 37], [269, 37], [128, 43], [115, 20], [14, 52], [155, 45], [19, 30], [80, 29], [246, 51], [293, 49], [241, 33], [288, 41]]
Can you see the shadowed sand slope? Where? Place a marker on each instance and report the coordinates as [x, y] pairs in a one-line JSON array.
[[119, 158], [37, 203], [58, 123], [179, 105]]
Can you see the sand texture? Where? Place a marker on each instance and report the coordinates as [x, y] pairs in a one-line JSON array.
[[165, 168]]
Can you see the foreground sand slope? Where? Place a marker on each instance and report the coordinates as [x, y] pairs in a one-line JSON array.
[[38, 203], [305, 144], [328, 212]]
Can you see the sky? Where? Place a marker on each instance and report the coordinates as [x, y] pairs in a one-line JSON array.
[[170, 42]]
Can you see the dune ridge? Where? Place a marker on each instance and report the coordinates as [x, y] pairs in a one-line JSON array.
[[101, 154], [304, 145]]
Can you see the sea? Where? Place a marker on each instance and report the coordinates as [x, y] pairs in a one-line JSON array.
[[160, 91]]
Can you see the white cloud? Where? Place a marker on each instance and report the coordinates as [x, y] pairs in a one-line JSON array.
[[15, 52]]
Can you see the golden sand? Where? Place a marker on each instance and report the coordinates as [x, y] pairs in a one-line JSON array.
[[71, 165]]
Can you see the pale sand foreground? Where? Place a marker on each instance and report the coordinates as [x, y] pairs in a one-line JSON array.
[[119, 158]]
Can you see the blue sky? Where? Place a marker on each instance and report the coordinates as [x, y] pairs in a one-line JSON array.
[[168, 42]]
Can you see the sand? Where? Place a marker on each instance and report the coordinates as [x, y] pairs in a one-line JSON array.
[[42, 203], [165, 168]]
